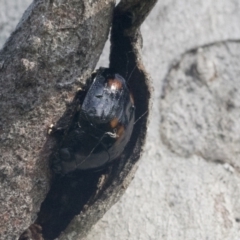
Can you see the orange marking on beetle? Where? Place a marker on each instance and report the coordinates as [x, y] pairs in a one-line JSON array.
[[114, 123], [120, 130], [114, 84]]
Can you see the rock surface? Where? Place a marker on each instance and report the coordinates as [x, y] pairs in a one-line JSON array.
[[39, 66]]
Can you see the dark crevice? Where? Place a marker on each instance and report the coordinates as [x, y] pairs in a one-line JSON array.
[[67, 197]]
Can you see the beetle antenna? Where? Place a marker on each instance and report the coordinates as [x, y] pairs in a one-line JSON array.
[[90, 152], [127, 64], [99, 141], [141, 117], [131, 73]]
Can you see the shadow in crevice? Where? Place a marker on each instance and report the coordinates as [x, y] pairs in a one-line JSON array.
[[66, 198]]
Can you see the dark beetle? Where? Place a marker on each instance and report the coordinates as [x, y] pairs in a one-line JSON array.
[[102, 128]]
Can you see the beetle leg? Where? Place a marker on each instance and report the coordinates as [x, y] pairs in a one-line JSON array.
[[52, 130], [112, 135]]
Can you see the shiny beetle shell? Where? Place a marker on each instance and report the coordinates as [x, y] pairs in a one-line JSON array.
[[103, 127]]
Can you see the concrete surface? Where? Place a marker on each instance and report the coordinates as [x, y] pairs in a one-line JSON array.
[[187, 186]]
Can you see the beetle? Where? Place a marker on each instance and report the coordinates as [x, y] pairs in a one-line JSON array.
[[102, 127]]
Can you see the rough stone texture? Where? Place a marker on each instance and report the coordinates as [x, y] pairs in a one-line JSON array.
[[41, 66], [204, 85], [177, 196], [183, 195]]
